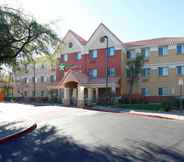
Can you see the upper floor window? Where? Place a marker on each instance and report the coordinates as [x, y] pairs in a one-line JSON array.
[[111, 51], [163, 51], [94, 53], [180, 70], [78, 56], [131, 54], [42, 79], [145, 52], [180, 49], [112, 72], [145, 91], [42, 66], [52, 78], [163, 71], [146, 72], [93, 73], [70, 44], [65, 57], [163, 91]]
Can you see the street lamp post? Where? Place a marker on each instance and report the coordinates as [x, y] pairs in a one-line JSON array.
[[106, 62], [181, 83]]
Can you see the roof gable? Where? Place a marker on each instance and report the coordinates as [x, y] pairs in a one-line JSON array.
[[77, 42], [102, 30]]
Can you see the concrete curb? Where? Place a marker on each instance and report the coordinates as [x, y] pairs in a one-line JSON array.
[[153, 115], [157, 115], [103, 110], [18, 134]]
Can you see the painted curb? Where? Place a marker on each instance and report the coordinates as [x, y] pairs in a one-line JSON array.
[[18, 134], [170, 117]]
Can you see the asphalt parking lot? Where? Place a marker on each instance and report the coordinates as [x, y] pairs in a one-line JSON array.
[[77, 135]]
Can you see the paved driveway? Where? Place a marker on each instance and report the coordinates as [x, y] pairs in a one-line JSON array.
[[76, 135]]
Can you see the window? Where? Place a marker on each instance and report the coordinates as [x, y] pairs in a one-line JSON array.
[[25, 80], [180, 70], [163, 51], [78, 56], [145, 52], [42, 66], [131, 54], [52, 78], [111, 51], [70, 44], [33, 93], [163, 91], [163, 71], [93, 73], [180, 49], [145, 91], [146, 72], [112, 72], [94, 54], [42, 93], [25, 93], [65, 57], [33, 79], [42, 79]]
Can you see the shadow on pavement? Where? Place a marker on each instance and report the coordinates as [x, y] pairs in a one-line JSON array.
[[44, 145]]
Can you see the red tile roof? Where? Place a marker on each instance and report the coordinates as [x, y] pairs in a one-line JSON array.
[[79, 38], [155, 42]]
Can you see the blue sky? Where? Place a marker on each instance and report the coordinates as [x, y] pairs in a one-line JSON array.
[[128, 19]]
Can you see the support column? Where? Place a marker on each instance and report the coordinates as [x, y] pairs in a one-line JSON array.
[[113, 90], [66, 96], [80, 100], [90, 95], [75, 95]]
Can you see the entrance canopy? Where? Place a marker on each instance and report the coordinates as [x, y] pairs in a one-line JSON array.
[[73, 76]]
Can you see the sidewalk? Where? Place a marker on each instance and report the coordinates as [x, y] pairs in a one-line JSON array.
[[169, 115], [14, 127]]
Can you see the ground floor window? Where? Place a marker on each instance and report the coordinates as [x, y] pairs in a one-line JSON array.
[[163, 91], [145, 91]]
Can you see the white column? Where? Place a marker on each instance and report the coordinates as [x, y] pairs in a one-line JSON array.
[[113, 90], [66, 96], [80, 101], [90, 95]]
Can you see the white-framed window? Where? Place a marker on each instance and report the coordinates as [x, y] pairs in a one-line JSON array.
[[65, 57], [163, 91], [42, 79], [163, 50], [94, 53], [42, 93], [52, 78], [78, 56], [180, 49], [112, 72], [163, 71], [145, 91], [146, 72], [93, 73], [145, 52], [180, 70], [111, 51], [131, 54]]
